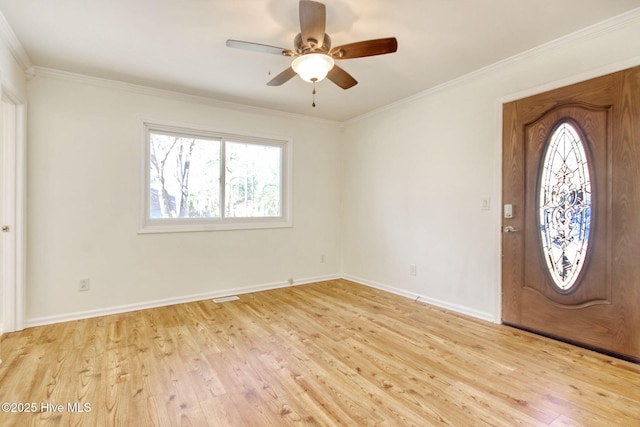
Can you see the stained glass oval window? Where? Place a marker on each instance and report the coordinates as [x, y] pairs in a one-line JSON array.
[[564, 205]]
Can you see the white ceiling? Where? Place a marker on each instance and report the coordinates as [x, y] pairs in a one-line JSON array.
[[180, 44]]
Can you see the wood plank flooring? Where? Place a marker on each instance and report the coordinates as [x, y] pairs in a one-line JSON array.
[[325, 354]]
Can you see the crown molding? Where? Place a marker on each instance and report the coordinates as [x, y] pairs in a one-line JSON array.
[[590, 32], [169, 94], [15, 47]]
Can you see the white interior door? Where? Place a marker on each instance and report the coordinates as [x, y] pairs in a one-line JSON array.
[[4, 234], [12, 214]]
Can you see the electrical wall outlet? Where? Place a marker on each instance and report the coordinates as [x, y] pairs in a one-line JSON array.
[[83, 284], [323, 258], [413, 270]]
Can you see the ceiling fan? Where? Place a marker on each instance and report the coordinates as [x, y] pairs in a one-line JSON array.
[[314, 56]]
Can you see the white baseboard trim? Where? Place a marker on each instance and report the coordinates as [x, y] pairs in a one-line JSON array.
[[478, 314], [59, 318], [67, 317]]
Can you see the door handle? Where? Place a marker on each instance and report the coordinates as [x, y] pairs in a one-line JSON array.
[[509, 229]]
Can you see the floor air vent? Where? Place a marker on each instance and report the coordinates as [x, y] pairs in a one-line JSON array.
[[225, 299]]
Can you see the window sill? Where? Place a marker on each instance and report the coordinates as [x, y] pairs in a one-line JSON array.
[[188, 226]]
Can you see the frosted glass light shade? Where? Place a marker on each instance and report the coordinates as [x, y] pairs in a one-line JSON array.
[[312, 66]]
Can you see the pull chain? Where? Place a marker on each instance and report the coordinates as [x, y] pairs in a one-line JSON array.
[[313, 104]]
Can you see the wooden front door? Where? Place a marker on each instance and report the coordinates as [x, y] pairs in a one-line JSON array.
[[571, 227]]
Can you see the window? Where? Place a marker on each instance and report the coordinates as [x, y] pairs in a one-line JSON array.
[[198, 180], [564, 207]]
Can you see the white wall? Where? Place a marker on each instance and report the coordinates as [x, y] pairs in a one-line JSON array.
[[83, 197], [417, 172]]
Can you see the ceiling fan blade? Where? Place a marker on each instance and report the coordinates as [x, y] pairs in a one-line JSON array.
[[312, 22], [365, 48], [341, 78], [283, 77], [257, 47]]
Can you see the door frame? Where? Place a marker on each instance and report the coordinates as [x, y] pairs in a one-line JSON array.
[[13, 210], [535, 90]]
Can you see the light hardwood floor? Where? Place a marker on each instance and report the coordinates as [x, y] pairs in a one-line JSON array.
[[330, 353]]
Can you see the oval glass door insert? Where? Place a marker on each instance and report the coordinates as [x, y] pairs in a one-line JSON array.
[[564, 206]]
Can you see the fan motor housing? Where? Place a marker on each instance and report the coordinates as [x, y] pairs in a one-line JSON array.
[[312, 46]]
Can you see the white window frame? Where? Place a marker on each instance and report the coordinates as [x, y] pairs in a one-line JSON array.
[[177, 225]]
